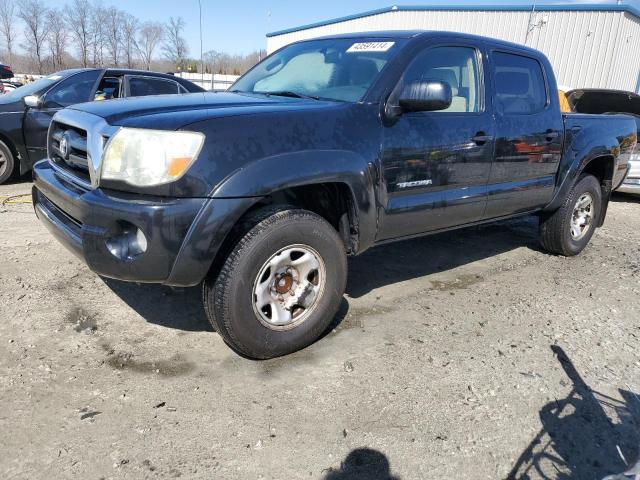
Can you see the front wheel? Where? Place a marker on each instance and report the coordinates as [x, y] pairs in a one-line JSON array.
[[7, 163], [281, 285], [567, 231]]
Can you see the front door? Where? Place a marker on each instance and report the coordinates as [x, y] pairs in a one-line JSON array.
[[75, 89], [436, 165], [531, 130]]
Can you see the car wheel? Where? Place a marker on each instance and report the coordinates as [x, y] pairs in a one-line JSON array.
[[7, 163], [281, 285], [568, 230]]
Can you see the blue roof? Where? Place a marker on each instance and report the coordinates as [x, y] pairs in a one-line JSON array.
[[585, 7]]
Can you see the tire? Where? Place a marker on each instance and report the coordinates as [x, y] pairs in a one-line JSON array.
[[7, 163], [278, 247], [558, 234]]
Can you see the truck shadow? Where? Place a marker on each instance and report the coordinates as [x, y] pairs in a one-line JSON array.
[[582, 434], [181, 309], [409, 259], [625, 198]]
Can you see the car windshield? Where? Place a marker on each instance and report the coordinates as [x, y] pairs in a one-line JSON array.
[[31, 88], [333, 69]]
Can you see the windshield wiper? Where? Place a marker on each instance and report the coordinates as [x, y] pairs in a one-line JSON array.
[[289, 93]]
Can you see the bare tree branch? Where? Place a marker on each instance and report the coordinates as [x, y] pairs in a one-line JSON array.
[[34, 14], [7, 25], [175, 47], [78, 16], [130, 27], [149, 37], [113, 33], [57, 38]]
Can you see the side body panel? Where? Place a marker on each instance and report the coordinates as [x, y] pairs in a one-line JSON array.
[[434, 174], [528, 147]]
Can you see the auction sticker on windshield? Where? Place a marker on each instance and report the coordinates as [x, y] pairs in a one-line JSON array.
[[370, 47]]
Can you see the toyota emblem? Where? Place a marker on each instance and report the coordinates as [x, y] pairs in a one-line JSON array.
[[64, 146]]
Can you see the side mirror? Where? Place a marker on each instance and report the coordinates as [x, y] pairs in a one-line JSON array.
[[425, 96], [32, 101]]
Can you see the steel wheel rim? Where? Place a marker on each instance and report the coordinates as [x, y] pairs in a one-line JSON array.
[[3, 163], [288, 287], [582, 216]]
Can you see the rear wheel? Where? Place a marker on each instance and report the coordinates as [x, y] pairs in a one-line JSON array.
[[568, 230], [281, 285], [7, 163]]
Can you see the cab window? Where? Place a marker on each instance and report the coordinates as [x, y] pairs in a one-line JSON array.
[[457, 66], [519, 84], [143, 86], [109, 88], [75, 89]]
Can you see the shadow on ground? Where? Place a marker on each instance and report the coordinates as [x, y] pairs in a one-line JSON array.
[[625, 198], [409, 259], [583, 435], [181, 309], [362, 464]]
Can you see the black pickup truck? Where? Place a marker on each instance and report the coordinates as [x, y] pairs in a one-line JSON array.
[[323, 150], [25, 113]]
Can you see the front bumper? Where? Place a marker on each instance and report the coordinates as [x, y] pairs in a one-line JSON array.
[[182, 234]]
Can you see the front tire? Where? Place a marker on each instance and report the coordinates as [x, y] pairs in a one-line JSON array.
[[7, 163], [281, 285], [568, 230]]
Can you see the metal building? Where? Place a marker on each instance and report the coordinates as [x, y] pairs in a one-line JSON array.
[[589, 45]]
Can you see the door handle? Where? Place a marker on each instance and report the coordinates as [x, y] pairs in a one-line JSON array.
[[551, 135], [480, 138]]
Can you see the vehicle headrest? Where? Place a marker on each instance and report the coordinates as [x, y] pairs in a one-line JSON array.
[[363, 71], [446, 75]]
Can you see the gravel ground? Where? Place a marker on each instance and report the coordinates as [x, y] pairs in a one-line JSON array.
[[470, 354]]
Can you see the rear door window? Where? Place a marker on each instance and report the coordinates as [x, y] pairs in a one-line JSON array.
[[520, 88], [143, 86]]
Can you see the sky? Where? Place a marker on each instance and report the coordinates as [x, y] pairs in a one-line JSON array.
[[240, 26]]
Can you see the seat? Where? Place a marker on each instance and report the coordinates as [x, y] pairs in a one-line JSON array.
[[447, 75]]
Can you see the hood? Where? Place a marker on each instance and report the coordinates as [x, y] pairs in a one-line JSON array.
[[603, 101], [8, 104], [176, 111]]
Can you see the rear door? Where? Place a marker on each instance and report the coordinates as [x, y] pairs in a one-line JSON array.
[[436, 165], [529, 137]]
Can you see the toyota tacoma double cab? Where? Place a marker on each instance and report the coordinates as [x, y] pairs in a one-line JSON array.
[[324, 149]]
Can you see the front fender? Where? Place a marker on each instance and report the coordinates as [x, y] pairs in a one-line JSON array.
[[271, 174]]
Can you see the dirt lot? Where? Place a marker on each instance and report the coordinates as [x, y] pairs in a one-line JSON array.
[[470, 354]]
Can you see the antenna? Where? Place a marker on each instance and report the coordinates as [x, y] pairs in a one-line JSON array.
[[201, 57]]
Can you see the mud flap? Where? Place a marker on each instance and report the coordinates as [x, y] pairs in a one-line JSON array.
[[606, 197]]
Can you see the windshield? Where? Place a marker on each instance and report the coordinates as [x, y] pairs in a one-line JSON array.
[[31, 88], [334, 69]]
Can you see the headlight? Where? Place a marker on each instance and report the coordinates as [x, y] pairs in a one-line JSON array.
[[150, 157]]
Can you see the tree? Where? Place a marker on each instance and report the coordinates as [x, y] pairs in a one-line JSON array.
[[175, 47], [97, 35], [113, 33], [57, 37], [7, 25], [129, 32], [34, 14], [149, 36], [78, 16]]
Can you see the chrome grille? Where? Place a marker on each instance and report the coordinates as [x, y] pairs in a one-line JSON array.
[[75, 144], [68, 148]]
